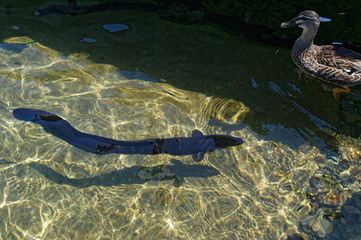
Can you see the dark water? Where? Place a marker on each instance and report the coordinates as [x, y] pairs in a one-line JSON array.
[[298, 173]]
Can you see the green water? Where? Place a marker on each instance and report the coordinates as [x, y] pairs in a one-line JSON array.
[[294, 175]]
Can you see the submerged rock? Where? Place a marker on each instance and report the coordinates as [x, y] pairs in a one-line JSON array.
[[322, 226], [317, 224]]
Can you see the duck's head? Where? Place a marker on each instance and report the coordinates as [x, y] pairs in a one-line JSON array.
[[306, 20]]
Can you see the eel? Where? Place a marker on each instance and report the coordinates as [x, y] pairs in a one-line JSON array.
[[196, 145]]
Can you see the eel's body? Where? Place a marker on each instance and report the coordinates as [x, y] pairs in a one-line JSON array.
[[197, 145]]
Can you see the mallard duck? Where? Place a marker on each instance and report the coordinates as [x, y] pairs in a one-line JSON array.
[[331, 63]]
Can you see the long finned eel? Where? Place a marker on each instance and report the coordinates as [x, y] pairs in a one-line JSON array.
[[196, 145]]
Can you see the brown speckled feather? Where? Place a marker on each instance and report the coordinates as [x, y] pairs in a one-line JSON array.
[[339, 57]]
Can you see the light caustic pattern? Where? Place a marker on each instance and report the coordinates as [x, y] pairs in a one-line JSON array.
[[51, 190]]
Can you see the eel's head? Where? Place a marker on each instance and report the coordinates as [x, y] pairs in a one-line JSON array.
[[223, 141]]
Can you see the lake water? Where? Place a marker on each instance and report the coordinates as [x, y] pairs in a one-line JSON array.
[[130, 75]]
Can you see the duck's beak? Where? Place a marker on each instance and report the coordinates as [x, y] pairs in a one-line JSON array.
[[289, 24]]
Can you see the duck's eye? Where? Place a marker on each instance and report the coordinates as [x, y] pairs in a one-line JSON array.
[[303, 18]]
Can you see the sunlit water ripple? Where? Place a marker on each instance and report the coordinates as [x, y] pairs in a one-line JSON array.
[[263, 189]]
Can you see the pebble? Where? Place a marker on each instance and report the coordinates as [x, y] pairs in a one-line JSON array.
[[308, 220], [355, 171], [321, 226], [334, 199], [318, 224], [351, 210], [88, 40], [115, 27], [358, 203]]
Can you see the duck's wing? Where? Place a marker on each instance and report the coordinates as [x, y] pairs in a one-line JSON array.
[[341, 58], [334, 64]]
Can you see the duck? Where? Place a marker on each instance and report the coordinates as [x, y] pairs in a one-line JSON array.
[[331, 63]]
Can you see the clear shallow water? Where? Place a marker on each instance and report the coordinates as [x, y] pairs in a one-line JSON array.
[[287, 179]]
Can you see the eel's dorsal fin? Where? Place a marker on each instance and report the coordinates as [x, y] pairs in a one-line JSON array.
[[197, 133], [198, 157]]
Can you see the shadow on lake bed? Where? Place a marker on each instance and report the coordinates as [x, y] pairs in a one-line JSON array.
[[131, 175]]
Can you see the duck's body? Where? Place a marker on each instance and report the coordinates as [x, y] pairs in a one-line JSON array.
[[331, 63]]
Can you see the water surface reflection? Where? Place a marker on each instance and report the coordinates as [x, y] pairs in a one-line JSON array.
[[281, 182]]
